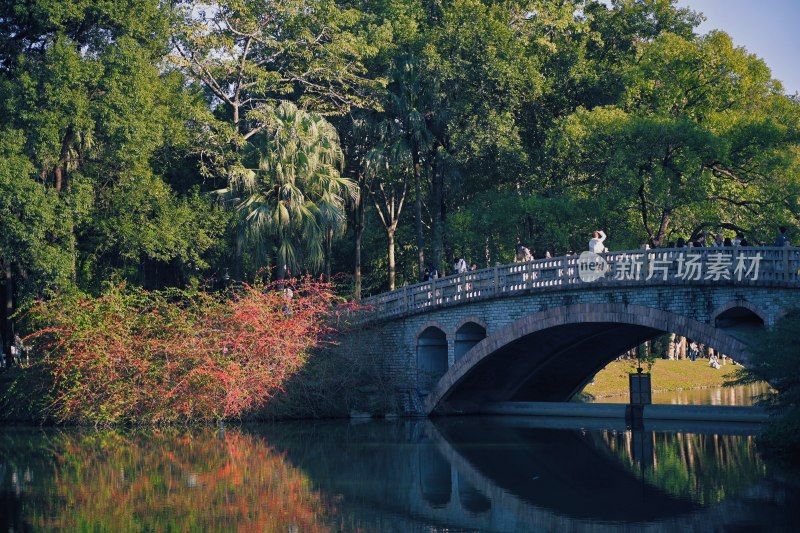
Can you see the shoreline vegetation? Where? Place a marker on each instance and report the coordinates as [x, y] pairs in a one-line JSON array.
[[132, 357], [667, 375]]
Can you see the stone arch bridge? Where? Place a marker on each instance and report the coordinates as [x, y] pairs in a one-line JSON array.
[[540, 330]]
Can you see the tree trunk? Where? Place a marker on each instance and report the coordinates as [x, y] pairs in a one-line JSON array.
[[60, 170], [390, 233], [359, 223], [328, 252], [8, 310], [658, 242], [358, 232], [437, 205], [238, 253], [418, 212]]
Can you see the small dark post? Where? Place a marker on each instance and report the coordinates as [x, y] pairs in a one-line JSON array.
[[640, 391]]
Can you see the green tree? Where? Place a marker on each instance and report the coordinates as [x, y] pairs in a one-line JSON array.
[[86, 85], [294, 192], [360, 137], [695, 139], [248, 54], [33, 256]]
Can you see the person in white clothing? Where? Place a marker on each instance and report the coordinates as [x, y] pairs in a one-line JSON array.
[[460, 266], [596, 244]]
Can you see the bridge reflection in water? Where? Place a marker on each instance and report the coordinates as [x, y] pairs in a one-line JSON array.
[[535, 474], [486, 474]]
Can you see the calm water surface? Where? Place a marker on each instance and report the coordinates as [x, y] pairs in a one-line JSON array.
[[457, 474], [734, 395]]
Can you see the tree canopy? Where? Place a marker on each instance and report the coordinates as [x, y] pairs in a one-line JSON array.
[[371, 138]]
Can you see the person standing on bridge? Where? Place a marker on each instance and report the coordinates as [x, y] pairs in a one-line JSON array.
[[596, 243], [781, 239], [700, 241], [523, 253]]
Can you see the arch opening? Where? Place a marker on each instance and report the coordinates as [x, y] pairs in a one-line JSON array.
[[467, 337], [737, 317], [739, 322], [551, 355], [431, 357], [550, 365]]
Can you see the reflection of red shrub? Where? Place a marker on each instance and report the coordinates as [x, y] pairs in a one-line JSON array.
[[134, 356], [168, 480]]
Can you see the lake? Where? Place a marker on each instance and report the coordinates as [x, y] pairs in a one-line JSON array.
[[454, 474], [733, 395]]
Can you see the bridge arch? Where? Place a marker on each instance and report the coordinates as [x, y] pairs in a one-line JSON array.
[[737, 312], [469, 332], [432, 357], [474, 319], [551, 354]]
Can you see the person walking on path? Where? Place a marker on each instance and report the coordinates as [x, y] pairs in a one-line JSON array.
[[596, 243], [460, 266]]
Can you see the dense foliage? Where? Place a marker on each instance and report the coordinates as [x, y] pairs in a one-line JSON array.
[[776, 359], [440, 129], [131, 356]]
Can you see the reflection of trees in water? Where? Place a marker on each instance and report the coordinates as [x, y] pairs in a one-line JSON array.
[[339, 452], [704, 468], [167, 480]]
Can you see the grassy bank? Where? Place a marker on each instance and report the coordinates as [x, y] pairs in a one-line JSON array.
[[666, 376]]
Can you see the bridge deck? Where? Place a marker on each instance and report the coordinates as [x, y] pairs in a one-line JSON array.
[[746, 266]]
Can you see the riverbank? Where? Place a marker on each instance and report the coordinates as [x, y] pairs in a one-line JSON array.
[[666, 375]]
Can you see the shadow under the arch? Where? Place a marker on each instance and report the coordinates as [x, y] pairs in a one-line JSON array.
[[545, 366], [551, 354]]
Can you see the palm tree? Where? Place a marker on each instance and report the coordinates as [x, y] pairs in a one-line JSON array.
[[294, 192]]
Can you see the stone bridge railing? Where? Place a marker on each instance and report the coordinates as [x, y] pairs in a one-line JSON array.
[[745, 266]]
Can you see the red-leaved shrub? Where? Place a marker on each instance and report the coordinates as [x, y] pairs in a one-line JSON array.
[[132, 356]]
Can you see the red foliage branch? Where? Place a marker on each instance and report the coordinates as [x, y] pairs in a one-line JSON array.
[[131, 356]]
